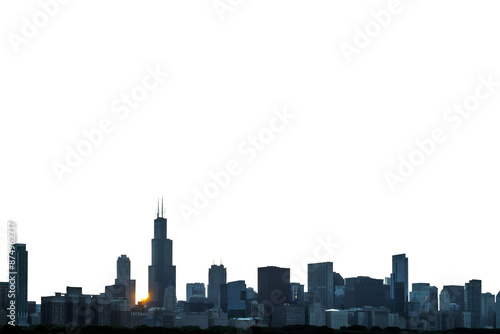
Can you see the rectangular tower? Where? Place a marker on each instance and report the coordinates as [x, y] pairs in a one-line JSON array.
[[123, 278], [161, 270], [216, 277], [320, 282], [473, 301], [399, 284], [20, 273]]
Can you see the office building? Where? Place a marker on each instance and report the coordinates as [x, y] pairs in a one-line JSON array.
[[473, 302], [161, 271], [399, 284], [320, 280], [273, 288], [487, 310], [289, 314], [123, 278], [197, 289], [233, 299], [20, 273], [297, 292], [452, 297], [497, 311], [364, 291], [217, 276]]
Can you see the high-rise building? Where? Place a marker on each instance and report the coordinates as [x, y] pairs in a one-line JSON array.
[[297, 292], [273, 285], [487, 310], [161, 270], [320, 280], [452, 298], [364, 291], [497, 311], [20, 274], [123, 278], [399, 284], [4, 302], [217, 275], [170, 299], [273, 288], [194, 289], [424, 296], [233, 299], [473, 302]]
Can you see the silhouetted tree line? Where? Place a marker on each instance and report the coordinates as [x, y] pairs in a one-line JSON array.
[[297, 329]]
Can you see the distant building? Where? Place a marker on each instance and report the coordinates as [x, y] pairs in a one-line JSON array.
[[337, 319], [399, 284], [273, 287], [120, 314], [297, 291], [423, 306], [473, 302], [251, 294], [320, 279], [315, 314], [4, 302], [339, 297], [216, 276], [123, 278], [288, 314], [466, 320], [451, 306], [217, 318], [162, 272], [233, 299], [364, 291], [76, 309], [194, 319], [452, 297], [170, 299], [487, 310], [497, 309], [195, 289], [20, 273]]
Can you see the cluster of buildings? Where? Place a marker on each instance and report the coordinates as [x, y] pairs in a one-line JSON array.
[[330, 299]]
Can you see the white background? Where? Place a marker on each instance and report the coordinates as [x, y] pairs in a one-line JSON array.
[[321, 177]]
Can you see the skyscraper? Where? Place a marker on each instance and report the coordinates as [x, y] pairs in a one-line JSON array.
[[233, 299], [487, 310], [216, 276], [364, 291], [161, 271], [497, 309], [194, 289], [20, 272], [123, 278], [399, 284], [320, 280], [452, 298], [273, 288], [473, 302]]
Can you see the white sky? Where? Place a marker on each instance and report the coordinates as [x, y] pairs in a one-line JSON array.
[[322, 177]]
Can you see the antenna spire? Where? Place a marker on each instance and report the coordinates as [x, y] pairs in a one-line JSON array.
[[158, 212], [162, 212]]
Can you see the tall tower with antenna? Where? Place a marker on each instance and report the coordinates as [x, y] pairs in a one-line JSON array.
[[161, 270]]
